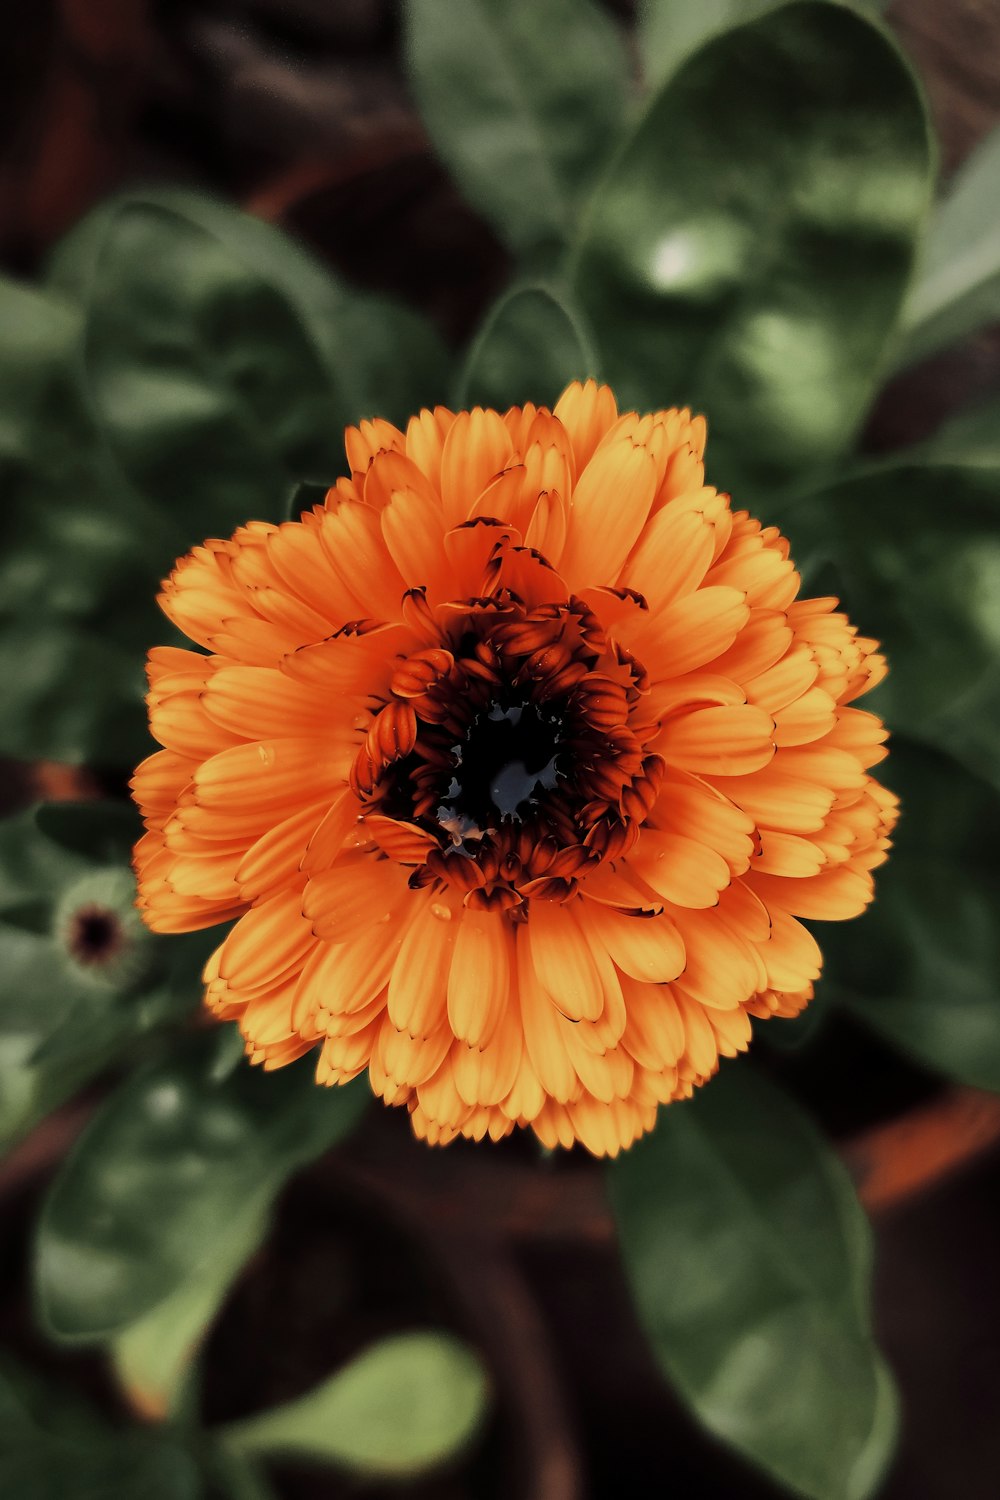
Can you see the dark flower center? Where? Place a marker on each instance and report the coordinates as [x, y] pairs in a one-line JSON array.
[[94, 935], [516, 748], [508, 758]]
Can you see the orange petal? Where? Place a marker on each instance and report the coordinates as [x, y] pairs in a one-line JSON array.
[[413, 528], [419, 983], [543, 1037], [646, 948], [260, 703], [601, 532], [358, 891], [480, 977], [271, 940], [692, 631], [729, 741], [671, 557], [563, 962], [587, 412], [477, 447], [271, 774], [681, 870]]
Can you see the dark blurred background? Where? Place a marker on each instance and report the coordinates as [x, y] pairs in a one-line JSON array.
[[298, 110]]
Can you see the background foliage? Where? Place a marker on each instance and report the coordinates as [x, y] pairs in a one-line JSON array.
[[745, 227]]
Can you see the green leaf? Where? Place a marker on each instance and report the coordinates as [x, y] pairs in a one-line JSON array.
[[73, 532], [222, 361], [98, 832], [522, 100], [925, 968], [185, 366], [81, 556], [71, 695], [74, 996], [159, 1175], [403, 1406], [52, 1447], [748, 251], [668, 31], [958, 288], [533, 342], [153, 1357], [240, 1478], [750, 1263], [969, 436], [916, 549]]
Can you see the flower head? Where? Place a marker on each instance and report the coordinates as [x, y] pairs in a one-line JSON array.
[[517, 761]]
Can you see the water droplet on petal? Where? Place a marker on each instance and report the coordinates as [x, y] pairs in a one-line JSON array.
[[266, 754], [444, 912]]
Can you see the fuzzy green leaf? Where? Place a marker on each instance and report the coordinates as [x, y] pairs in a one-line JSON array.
[[222, 361], [81, 558], [958, 288], [748, 252], [52, 1447], [749, 1260], [154, 1357], [970, 435], [533, 342], [159, 1175], [523, 101], [670, 30], [915, 549], [924, 968], [399, 1408]]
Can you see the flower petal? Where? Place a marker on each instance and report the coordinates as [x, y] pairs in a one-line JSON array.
[[724, 741]]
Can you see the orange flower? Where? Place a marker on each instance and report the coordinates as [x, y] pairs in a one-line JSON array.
[[517, 761]]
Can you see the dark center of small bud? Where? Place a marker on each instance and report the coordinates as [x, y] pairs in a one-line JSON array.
[[510, 755], [94, 935]]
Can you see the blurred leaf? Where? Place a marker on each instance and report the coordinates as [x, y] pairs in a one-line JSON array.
[[99, 832], [153, 1357], [157, 1178], [869, 1468], [969, 436], [668, 31], [240, 1478], [64, 1015], [381, 357], [223, 363], [72, 530], [748, 251], [958, 287], [52, 1447], [925, 968], [76, 580], [71, 696], [185, 365], [210, 390], [402, 1406], [522, 100], [917, 549], [750, 1262], [533, 342]]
